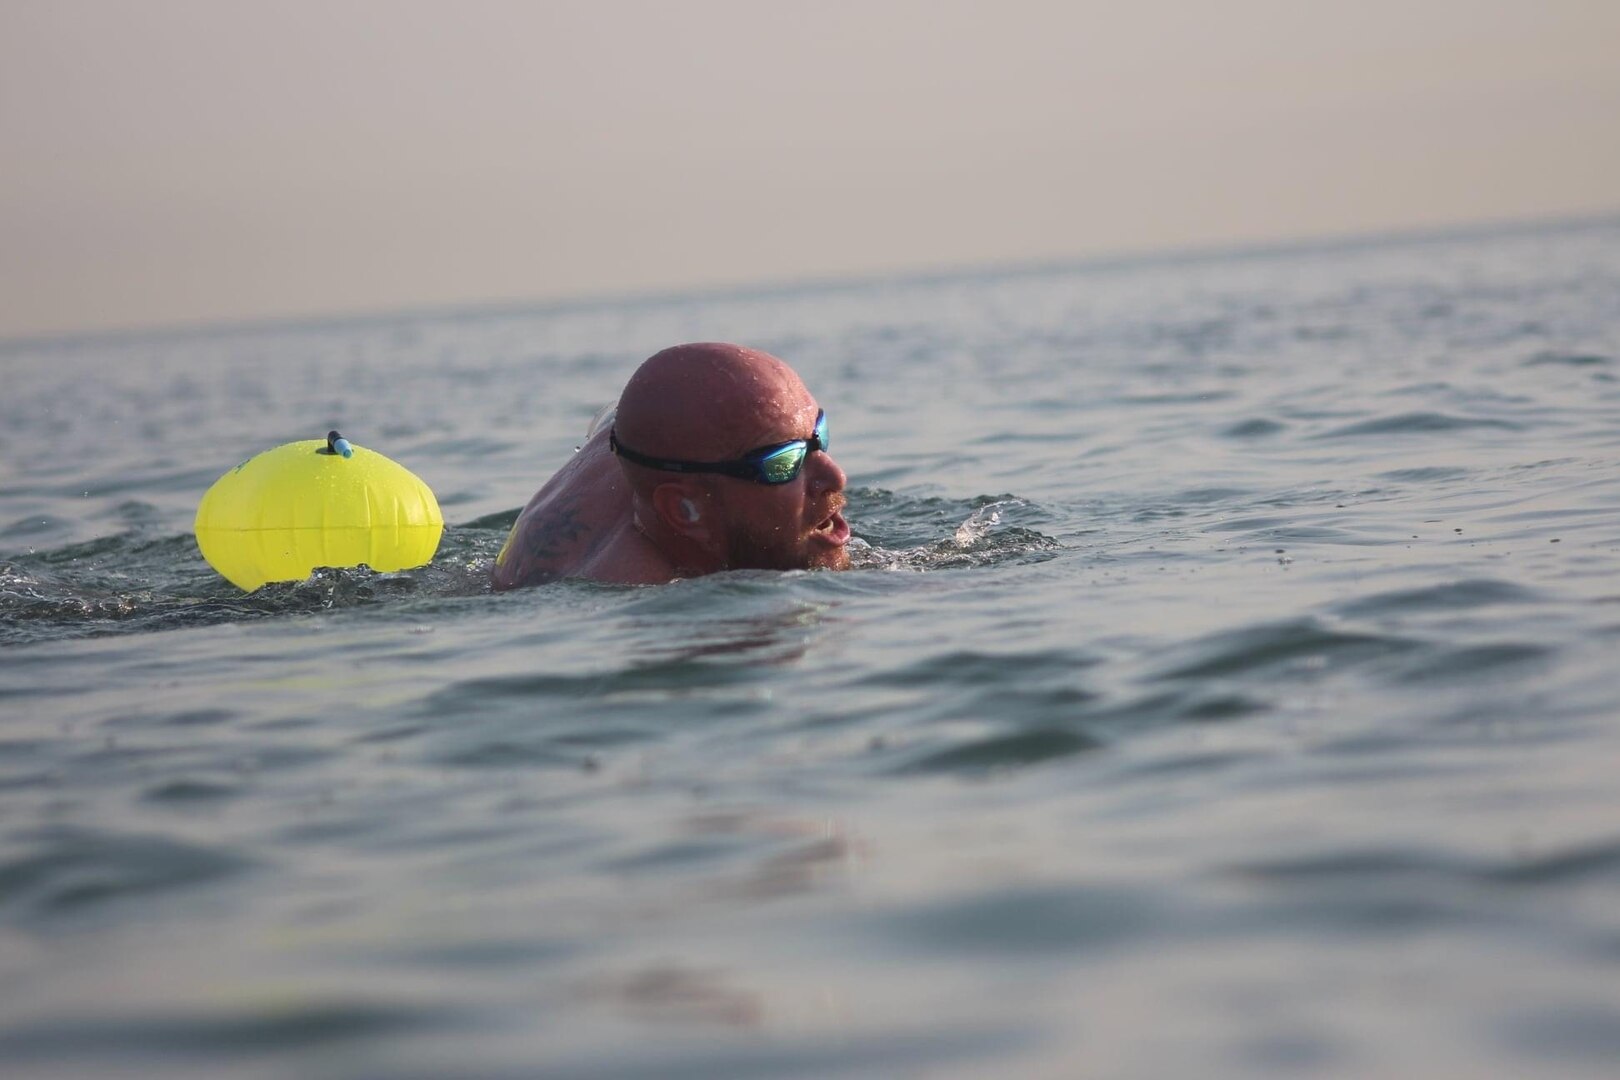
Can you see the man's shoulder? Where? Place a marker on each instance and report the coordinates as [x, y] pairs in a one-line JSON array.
[[539, 550], [567, 524], [544, 543]]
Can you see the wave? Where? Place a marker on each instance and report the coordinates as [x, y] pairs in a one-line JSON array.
[[133, 582], [1418, 423]]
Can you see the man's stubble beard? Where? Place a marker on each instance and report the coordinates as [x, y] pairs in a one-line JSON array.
[[749, 551]]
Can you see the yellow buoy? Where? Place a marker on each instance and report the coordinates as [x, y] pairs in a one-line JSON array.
[[281, 514]]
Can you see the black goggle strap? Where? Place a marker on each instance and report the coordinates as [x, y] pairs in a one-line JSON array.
[[752, 467], [743, 470], [664, 464]]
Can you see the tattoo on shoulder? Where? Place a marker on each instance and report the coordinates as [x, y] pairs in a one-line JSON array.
[[551, 537]]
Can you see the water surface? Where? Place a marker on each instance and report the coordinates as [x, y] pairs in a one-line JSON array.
[[1227, 686]]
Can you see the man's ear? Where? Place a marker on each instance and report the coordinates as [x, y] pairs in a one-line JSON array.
[[681, 508]]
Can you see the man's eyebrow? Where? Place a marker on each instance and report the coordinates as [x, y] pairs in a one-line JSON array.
[[772, 435], [773, 441]]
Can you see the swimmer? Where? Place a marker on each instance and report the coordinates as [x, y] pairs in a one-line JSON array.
[[716, 459]]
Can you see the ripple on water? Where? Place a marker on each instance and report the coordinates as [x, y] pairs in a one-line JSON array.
[[974, 668], [1028, 747], [561, 720], [1032, 920], [1270, 645], [132, 514], [186, 791], [85, 591], [32, 525], [1448, 596], [1377, 892], [1425, 474], [651, 677], [677, 995], [1393, 889], [187, 718], [1367, 864], [1597, 859], [1563, 359], [1567, 1032], [1031, 726], [1507, 659], [1417, 423], [62, 871], [1259, 427], [279, 1029]]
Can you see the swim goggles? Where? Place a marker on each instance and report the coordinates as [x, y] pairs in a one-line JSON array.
[[776, 464]]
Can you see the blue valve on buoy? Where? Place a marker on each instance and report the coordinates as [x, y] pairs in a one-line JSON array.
[[337, 444]]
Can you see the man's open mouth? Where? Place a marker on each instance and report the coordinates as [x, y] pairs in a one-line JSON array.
[[833, 530]]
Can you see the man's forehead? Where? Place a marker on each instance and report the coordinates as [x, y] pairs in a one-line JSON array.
[[779, 418], [714, 402]]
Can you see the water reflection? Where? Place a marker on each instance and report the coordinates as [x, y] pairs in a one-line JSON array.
[[773, 637], [676, 994]]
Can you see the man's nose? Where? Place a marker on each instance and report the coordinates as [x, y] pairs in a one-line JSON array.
[[825, 474]]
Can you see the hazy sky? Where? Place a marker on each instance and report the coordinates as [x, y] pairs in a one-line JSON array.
[[178, 162]]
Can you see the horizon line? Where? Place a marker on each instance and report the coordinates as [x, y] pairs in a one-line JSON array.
[[541, 305]]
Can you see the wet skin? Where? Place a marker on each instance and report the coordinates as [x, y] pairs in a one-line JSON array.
[[603, 519]]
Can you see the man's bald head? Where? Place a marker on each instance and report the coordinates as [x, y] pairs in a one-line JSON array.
[[708, 403], [717, 460], [711, 401]]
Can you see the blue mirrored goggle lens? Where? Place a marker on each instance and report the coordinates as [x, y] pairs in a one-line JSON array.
[[783, 465]]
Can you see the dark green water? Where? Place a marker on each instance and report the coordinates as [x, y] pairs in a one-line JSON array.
[[1228, 687]]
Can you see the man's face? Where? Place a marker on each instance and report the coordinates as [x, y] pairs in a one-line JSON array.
[[792, 526]]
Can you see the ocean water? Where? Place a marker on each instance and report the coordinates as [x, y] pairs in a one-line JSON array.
[[1228, 685]]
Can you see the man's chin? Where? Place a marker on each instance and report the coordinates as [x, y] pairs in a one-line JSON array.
[[812, 551], [837, 559]]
